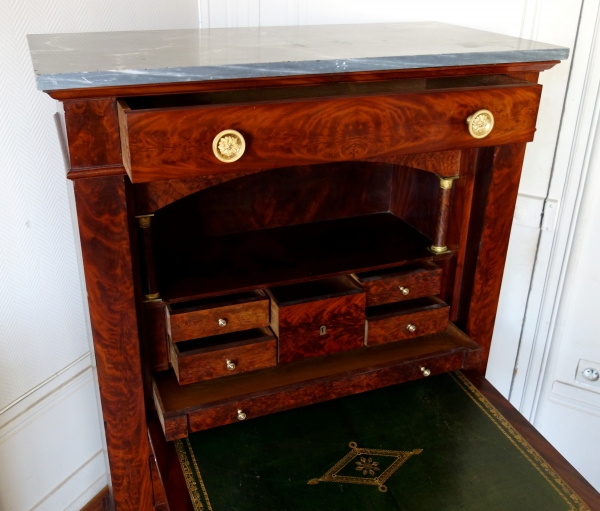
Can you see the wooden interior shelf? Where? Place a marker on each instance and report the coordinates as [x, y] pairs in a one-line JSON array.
[[193, 407], [294, 253]]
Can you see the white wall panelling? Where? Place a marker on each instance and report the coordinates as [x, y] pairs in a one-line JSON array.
[[50, 451], [505, 17], [562, 322], [50, 445], [569, 173]]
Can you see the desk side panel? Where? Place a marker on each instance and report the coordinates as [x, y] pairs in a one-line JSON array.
[[503, 173], [105, 242]]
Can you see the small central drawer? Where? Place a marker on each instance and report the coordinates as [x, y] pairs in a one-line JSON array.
[[318, 317], [217, 315], [404, 320], [403, 283], [223, 355]]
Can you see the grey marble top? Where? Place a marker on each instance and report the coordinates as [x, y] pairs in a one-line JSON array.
[[101, 59]]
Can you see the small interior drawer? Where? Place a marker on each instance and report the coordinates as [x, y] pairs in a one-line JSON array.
[[318, 317], [217, 315], [405, 320], [400, 283], [223, 355]]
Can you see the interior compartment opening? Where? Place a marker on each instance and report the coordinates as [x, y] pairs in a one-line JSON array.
[[291, 225]]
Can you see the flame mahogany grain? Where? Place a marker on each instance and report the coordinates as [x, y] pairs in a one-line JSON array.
[[383, 286], [389, 323], [156, 335], [278, 197], [177, 142], [93, 133], [504, 174], [298, 325], [206, 359], [251, 310], [105, 242], [169, 469], [215, 402], [443, 163]]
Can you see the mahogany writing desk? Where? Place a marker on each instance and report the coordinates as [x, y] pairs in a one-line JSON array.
[[273, 217]]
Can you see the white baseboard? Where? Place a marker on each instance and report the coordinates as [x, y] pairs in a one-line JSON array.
[[29, 405], [78, 489], [51, 452]]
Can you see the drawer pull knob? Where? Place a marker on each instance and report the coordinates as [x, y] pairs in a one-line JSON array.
[[222, 322], [229, 146], [411, 328], [230, 365], [241, 415], [480, 123], [404, 290], [425, 371]]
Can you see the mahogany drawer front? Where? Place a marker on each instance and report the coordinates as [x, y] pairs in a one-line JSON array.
[[220, 315], [403, 283], [246, 396], [177, 141], [406, 320], [223, 355], [317, 318]]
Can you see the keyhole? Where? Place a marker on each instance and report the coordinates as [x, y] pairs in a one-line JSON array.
[[323, 330]]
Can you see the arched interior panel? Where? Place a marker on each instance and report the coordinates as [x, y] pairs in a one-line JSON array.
[[274, 198], [293, 224]]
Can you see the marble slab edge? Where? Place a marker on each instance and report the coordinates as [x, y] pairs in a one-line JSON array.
[[83, 80]]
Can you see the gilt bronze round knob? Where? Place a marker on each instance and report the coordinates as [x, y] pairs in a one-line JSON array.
[[480, 123], [222, 322], [425, 371], [404, 290], [241, 415], [411, 328], [229, 146], [230, 365]]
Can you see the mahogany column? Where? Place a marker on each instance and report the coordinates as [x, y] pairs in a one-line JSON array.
[[104, 226]]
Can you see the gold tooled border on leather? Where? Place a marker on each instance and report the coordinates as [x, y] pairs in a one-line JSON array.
[[191, 473], [567, 493]]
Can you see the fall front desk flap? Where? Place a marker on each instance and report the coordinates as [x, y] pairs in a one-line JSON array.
[[432, 444]]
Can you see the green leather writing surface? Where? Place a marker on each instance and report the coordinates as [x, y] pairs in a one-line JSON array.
[[433, 444]]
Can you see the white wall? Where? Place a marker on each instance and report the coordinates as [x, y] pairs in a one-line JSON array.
[[51, 451], [560, 402]]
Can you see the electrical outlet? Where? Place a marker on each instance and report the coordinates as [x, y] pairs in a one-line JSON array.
[[588, 373]]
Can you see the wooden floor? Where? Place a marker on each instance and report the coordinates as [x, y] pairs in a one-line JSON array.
[[100, 502]]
